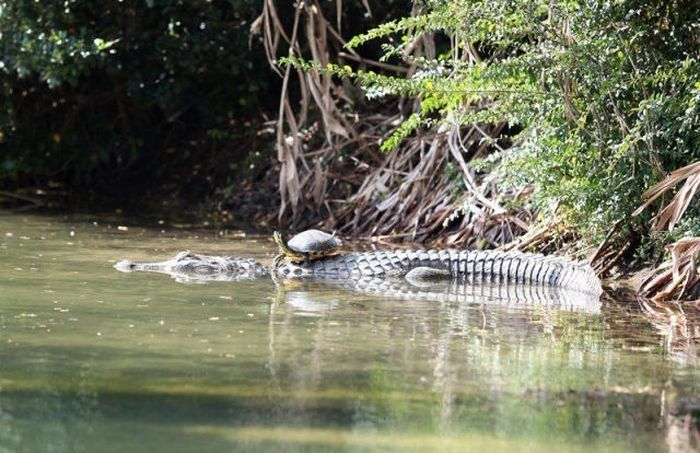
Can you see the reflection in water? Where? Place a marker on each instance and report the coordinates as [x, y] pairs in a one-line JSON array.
[[682, 421], [448, 325], [459, 291], [95, 360], [680, 326]]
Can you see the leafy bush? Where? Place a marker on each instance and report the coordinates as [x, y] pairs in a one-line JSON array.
[[94, 91], [606, 95]]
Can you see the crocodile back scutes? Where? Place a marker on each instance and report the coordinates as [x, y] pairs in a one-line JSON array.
[[472, 266]]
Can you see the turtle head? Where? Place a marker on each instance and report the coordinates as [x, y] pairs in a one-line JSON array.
[[277, 237], [279, 240]]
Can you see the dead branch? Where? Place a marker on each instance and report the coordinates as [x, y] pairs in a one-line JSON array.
[[409, 194]]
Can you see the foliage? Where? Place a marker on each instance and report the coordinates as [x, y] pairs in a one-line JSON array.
[[94, 91], [310, 99], [606, 95]]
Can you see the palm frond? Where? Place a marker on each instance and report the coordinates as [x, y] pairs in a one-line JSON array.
[[668, 216]]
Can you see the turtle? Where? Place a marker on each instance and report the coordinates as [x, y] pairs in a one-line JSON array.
[[306, 246]]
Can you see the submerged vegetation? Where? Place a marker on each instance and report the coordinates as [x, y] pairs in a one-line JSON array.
[[538, 125]]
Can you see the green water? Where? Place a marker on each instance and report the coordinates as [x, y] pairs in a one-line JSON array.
[[92, 359]]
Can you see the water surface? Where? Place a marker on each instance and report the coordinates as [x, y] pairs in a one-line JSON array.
[[97, 360]]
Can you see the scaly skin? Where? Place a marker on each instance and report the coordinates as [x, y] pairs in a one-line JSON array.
[[188, 267], [469, 266], [473, 266]]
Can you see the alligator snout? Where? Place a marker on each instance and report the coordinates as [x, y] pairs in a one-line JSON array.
[[125, 266]]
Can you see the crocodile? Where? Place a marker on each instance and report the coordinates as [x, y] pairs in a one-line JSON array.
[[515, 279], [416, 266]]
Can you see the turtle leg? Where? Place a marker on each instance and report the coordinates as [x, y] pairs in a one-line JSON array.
[[276, 261]]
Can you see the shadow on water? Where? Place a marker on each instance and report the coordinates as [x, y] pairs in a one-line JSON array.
[[96, 360]]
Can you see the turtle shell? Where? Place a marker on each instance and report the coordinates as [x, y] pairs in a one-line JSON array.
[[314, 241]]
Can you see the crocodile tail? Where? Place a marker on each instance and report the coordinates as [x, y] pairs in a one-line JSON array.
[[516, 267]]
